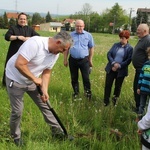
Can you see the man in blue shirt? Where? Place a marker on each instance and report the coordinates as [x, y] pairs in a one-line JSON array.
[[81, 54]]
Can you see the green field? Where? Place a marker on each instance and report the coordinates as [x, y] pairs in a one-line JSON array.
[[89, 122]]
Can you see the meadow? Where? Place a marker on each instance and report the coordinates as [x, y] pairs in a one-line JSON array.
[[88, 121]]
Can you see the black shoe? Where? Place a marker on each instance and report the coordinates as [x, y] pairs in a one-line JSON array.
[[106, 104], [75, 95], [114, 100], [60, 136], [18, 142], [88, 94], [136, 110], [70, 138]]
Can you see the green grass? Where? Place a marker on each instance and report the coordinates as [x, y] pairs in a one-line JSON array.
[[89, 122]]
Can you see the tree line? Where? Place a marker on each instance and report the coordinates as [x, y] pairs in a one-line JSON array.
[[109, 21], [36, 19]]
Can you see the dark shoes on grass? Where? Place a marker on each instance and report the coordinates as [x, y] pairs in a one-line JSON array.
[[18, 142], [114, 101], [62, 137]]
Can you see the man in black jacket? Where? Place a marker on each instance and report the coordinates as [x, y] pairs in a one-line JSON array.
[[139, 57], [17, 35]]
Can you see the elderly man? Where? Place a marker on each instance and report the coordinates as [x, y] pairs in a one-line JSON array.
[[81, 55], [29, 67], [139, 57]]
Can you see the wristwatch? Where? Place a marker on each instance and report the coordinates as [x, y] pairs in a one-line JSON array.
[[17, 38]]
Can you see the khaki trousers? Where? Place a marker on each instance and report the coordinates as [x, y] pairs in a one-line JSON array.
[[16, 92]]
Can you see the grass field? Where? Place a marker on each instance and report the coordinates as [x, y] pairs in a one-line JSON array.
[[89, 122]]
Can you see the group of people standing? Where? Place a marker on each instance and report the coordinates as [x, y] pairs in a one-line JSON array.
[[119, 57], [29, 64]]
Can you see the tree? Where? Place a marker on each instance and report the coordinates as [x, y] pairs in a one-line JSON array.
[[133, 25], [1, 22], [115, 15], [86, 11], [12, 22], [37, 19], [95, 21], [48, 17], [5, 21], [142, 17]]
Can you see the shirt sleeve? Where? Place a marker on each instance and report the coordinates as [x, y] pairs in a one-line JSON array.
[[29, 49], [144, 123]]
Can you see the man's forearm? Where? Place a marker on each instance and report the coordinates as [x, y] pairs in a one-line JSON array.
[[23, 69]]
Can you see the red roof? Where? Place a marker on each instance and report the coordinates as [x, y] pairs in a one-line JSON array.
[[69, 20], [12, 15]]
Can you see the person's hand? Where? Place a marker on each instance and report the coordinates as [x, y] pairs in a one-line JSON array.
[[115, 67], [90, 63], [44, 97], [38, 81], [65, 63], [22, 38], [138, 91], [139, 132]]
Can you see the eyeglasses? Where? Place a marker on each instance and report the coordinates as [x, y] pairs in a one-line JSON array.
[[79, 26]]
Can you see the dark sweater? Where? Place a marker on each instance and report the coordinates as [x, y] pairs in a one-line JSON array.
[[139, 56], [17, 30]]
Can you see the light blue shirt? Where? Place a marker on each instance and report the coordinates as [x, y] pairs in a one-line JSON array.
[[119, 55], [82, 43]]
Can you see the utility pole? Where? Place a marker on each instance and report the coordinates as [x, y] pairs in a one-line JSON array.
[[113, 31], [130, 14], [57, 12], [88, 23], [16, 4]]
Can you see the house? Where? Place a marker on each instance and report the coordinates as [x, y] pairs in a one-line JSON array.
[[12, 15], [51, 26], [36, 27], [69, 24], [143, 11]]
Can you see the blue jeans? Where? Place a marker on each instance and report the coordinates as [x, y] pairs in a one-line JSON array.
[[143, 98]]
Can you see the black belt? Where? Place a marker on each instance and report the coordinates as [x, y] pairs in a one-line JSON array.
[[79, 59]]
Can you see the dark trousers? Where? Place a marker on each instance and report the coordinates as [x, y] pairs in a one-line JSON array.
[[136, 96], [143, 99], [83, 65], [110, 77]]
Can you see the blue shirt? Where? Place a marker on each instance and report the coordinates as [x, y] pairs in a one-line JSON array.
[[82, 43], [119, 55]]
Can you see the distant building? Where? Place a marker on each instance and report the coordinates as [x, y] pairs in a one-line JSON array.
[[36, 27], [12, 15], [69, 24], [143, 11], [51, 26]]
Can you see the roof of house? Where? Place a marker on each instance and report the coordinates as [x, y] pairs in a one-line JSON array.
[[55, 24], [12, 15], [69, 20], [143, 10]]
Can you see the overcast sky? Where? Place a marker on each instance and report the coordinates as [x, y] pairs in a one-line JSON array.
[[70, 6]]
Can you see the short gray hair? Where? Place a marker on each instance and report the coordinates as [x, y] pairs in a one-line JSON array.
[[65, 37]]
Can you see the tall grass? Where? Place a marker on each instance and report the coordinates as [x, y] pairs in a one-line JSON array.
[[89, 122]]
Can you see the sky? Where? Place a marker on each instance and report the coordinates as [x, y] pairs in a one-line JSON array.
[[67, 7]]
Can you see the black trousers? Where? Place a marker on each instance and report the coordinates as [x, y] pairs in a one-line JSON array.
[[108, 85], [135, 83], [74, 66]]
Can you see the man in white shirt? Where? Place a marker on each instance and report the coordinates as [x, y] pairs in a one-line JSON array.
[[29, 67]]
